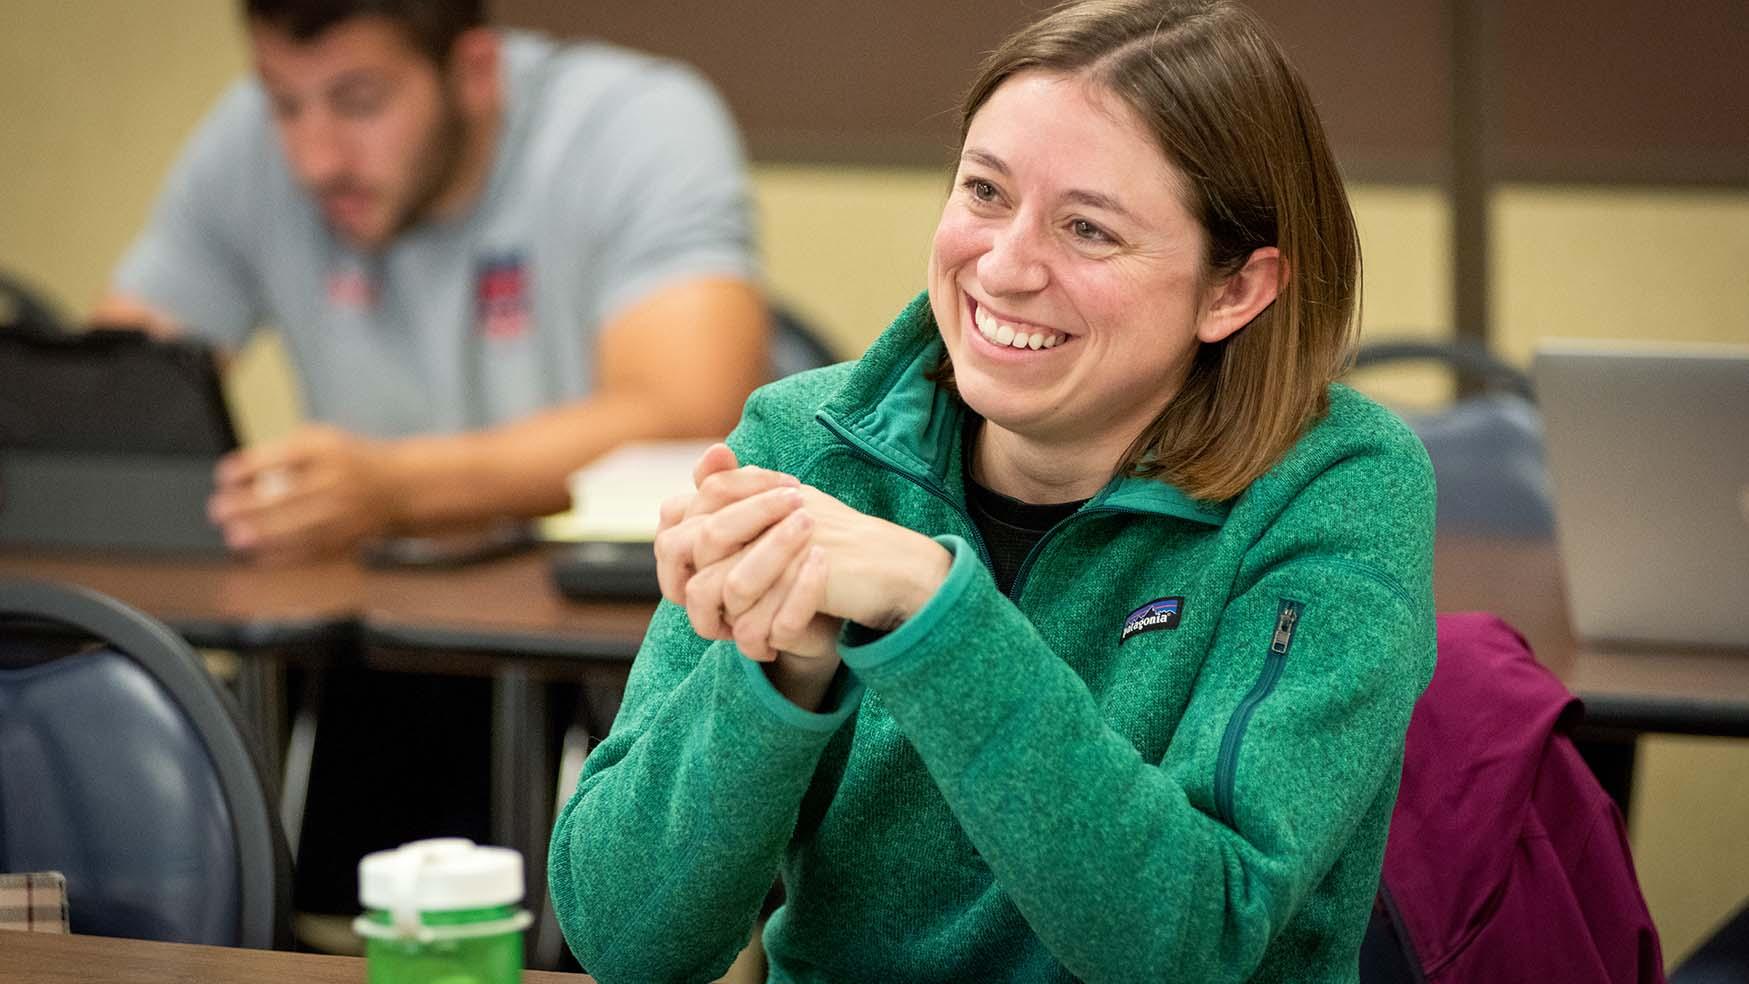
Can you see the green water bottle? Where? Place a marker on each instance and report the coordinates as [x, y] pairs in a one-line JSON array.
[[443, 911]]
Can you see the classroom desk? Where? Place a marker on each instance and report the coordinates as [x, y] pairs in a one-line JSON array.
[[504, 618], [52, 958], [1629, 688], [212, 602], [506, 612], [501, 607]]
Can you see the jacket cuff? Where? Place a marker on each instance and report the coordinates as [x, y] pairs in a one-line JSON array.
[[861, 649], [841, 700], [955, 672]]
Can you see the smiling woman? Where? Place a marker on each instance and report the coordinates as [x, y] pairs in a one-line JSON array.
[[1072, 632], [1069, 227]]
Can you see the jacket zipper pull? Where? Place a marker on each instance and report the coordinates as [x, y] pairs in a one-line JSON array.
[[1285, 620]]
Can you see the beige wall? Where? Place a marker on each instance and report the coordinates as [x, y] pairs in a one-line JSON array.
[[97, 94], [1617, 263]]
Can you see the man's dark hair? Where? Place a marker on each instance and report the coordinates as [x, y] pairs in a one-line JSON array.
[[431, 26]]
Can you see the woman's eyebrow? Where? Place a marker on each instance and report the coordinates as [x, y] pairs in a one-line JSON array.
[[985, 158], [1099, 200]]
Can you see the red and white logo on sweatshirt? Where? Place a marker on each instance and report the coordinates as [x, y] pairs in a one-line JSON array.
[[501, 301], [351, 287]]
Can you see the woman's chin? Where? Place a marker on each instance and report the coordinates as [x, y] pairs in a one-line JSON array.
[[1019, 415]]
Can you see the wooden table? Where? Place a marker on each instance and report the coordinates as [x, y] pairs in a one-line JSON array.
[[508, 611], [50, 958], [1627, 690], [504, 618], [1683, 690], [501, 607]]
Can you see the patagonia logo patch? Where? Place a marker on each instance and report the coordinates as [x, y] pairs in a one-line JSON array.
[[1161, 614]]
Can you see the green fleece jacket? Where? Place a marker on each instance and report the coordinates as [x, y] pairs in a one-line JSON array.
[[1170, 753]]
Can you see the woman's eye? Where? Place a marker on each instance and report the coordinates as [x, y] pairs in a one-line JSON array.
[[982, 190], [1084, 229]]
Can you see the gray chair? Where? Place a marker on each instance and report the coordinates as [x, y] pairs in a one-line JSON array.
[[1486, 448], [795, 345], [1723, 958], [122, 766]]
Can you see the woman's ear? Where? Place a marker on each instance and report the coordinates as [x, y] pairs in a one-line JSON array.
[[1243, 295]]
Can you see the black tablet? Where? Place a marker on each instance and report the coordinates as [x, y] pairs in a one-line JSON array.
[[111, 392], [108, 441]]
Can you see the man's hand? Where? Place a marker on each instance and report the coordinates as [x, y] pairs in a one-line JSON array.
[[123, 311], [318, 493]]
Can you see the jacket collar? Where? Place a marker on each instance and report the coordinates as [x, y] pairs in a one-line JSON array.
[[891, 411]]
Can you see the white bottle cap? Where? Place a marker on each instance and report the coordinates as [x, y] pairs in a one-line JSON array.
[[437, 875]]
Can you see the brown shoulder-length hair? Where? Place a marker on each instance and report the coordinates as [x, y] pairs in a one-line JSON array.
[[1236, 121]]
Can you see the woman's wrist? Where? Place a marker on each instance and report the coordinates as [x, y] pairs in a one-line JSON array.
[[916, 579], [803, 681]]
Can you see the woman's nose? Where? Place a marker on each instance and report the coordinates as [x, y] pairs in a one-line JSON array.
[[1015, 262]]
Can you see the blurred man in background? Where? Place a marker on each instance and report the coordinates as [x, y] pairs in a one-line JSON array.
[[491, 257]]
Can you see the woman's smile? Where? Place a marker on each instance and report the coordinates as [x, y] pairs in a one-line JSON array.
[[1009, 341]]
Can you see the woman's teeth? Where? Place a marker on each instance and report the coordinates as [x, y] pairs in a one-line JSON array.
[[1006, 334]]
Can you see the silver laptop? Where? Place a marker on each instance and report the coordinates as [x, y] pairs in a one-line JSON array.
[[1648, 450]]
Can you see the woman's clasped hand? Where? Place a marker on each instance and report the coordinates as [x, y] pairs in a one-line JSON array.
[[757, 557]]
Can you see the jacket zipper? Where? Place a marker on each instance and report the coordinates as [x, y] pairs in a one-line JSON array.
[[1020, 575], [1287, 618], [977, 537], [933, 488], [868, 454]]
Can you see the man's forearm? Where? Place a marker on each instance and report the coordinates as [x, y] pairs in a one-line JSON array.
[[519, 469]]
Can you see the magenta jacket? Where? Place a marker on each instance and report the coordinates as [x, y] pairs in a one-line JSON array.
[[1506, 860]]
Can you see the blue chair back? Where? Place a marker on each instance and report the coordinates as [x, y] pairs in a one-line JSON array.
[[122, 767], [1487, 454], [1722, 958], [106, 781], [1486, 448]]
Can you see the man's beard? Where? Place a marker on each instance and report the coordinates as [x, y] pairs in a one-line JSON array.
[[439, 162]]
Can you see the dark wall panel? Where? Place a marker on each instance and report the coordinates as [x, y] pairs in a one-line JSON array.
[[873, 82], [1624, 90], [879, 82], [1605, 90], [1380, 72]]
